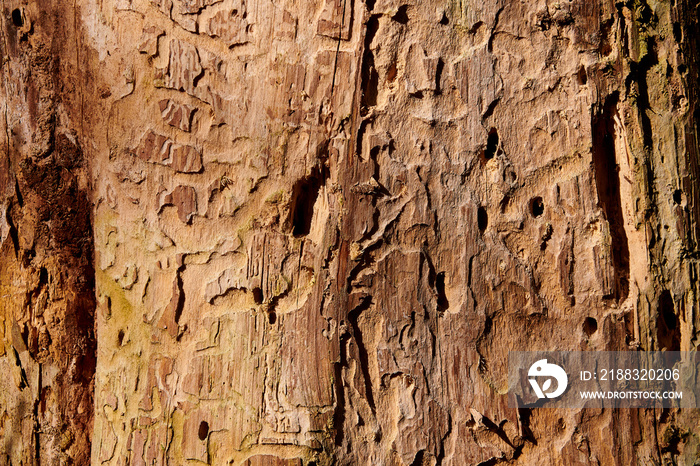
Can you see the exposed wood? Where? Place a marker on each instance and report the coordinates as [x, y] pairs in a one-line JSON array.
[[319, 227]]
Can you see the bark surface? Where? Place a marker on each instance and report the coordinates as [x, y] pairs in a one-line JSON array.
[[47, 286], [319, 227]]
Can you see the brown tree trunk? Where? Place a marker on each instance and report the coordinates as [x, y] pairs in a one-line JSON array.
[[47, 286], [319, 227]]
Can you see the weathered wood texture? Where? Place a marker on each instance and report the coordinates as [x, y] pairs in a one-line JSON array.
[[319, 227], [47, 288]]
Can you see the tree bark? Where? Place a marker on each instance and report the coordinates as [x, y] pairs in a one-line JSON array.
[[320, 227], [47, 286]]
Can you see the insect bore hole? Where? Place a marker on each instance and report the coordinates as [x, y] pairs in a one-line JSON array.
[[17, 18]]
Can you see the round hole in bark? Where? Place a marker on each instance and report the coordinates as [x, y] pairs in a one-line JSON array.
[[590, 325], [401, 15], [272, 317], [43, 276], [536, 206], [17, 18], [581, 75], [491, 144], [120, 337], [482, 219], [203, 430], [257, 295], [678, 196], [305, 193]]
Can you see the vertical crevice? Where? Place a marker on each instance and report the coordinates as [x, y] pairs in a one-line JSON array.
[[689, 18], [37, 427], [304, 196], [339, 413], [638, 74], [363, 357], [341, 26], [482, 219], [369, 85], [668, 332], [180, 306], [14, 236], [607, 180], [442, 302]]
